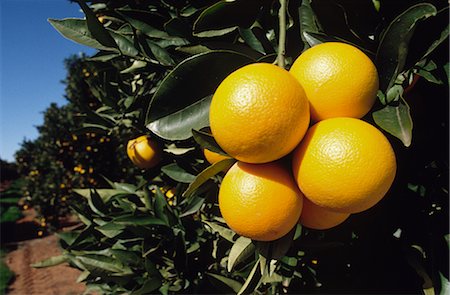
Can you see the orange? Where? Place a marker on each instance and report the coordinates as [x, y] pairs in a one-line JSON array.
[[144, 152], [259, 113], [344, 164], [213, 157], [339, 80], [317, 217], [260, 201]]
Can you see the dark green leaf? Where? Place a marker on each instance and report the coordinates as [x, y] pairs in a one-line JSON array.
[[234, 285], [181, 87], [194, 205], [278, 248], [396, 120], [207, 141], [125, 44], [206, 174], [76, 30], [241, 250], [130, 220], [178, 125], [251, 39], [161, 206], [95, 27], [308, 22], [252, 279], [161, 54], [225, 16], [177, 173], [393, 48], [103, 263], [148, 287]]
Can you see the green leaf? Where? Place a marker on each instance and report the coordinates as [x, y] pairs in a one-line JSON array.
[[225, 16], [52, 261], [77, 31], [177, 173], [396, 120], [125, 44], [234, 285], [102, 263], [194, 205], [131, 220], [178, 125], [445, 285], [105, 194], [95, 27], [161, 54], [206, 174], [308, 22], [241, 250], [148, 287], [111, 229], [224, 232], [251, 279], [186, 85], [278, 248], [251, 39], [393, 48], [207, 141]]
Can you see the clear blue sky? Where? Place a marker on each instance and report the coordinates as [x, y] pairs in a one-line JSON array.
[[32, 57]]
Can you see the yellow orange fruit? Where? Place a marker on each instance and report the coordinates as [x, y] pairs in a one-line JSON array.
[[317, 217], [260, 201], [339, 80], [144, 152], [213, 157], [259, 113], [344, 164]]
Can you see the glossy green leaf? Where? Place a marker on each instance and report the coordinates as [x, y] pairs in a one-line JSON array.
[[396, 120], [234, 285], [76, 30], [181, 89], [207, 141], [241, 250], [206, 174], [95, 27], [178, 125], [52, 261], [225, 16], [251, 39], [103, 263], [393, 48], [177, 173], [161, 54]]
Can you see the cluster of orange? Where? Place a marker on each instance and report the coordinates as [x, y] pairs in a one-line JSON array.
[[288, 171]]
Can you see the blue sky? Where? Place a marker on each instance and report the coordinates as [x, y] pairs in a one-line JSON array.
[[32, 57]]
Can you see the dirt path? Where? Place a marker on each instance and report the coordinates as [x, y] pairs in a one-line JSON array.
[[57, 280]]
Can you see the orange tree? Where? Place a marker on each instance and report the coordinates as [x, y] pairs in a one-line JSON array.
[[157, 68], [64, 157]]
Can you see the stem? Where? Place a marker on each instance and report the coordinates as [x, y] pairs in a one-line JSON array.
[[282, 37]]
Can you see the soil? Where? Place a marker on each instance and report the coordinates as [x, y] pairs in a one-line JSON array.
[[58, 280]]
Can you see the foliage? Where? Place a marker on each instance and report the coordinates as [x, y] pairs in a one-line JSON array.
[[62, 157], [5, 274], [157, 66]]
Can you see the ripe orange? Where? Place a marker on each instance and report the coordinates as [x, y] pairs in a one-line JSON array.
[[339, 80], [260, 201], [344, 164], [259, 113], [144, 152], [213, 157], [317, 217]]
